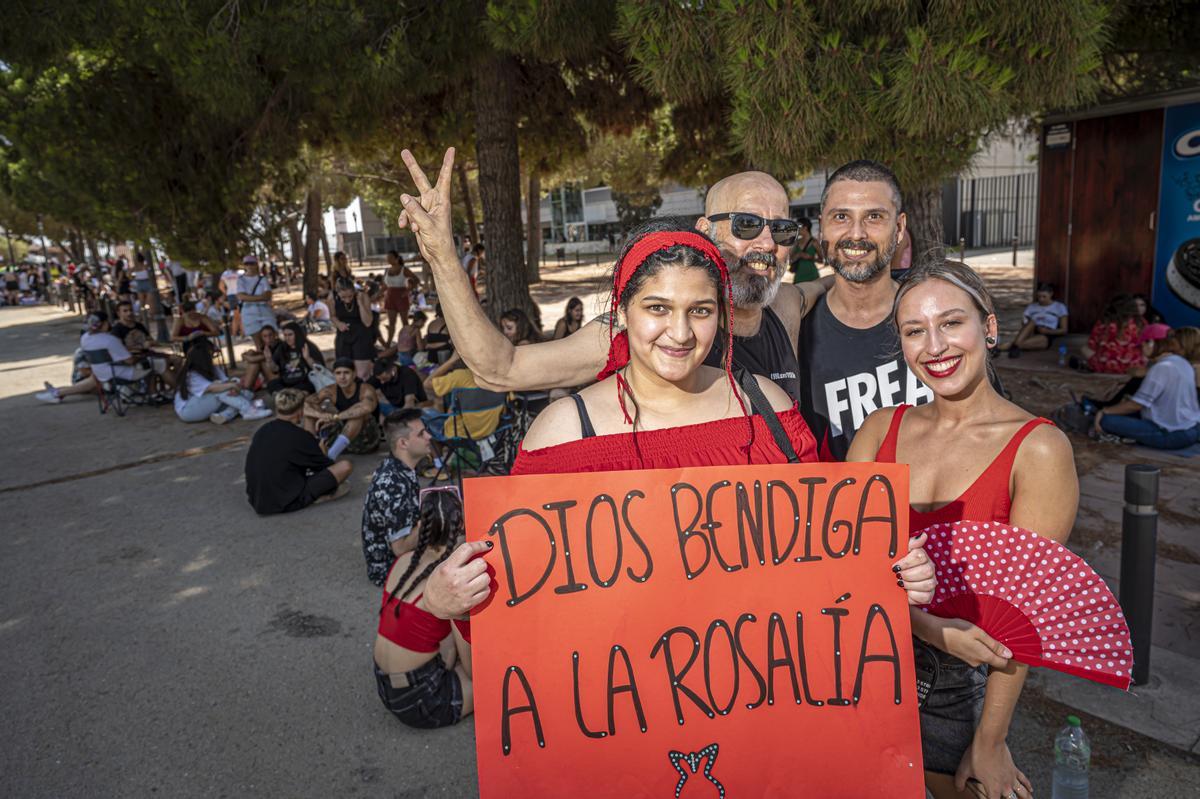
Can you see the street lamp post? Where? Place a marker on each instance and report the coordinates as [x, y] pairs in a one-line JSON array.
[[42, 236]]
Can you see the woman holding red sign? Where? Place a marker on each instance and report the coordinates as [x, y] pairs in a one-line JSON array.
[[973, 456], [656, 404]]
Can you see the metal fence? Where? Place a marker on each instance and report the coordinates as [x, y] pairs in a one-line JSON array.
[[991, 211]]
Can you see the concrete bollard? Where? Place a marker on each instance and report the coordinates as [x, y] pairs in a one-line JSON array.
[[1139, 545]]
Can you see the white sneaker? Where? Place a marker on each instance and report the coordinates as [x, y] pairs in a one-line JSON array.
[[257, 413], [217, 418], [49, 396]]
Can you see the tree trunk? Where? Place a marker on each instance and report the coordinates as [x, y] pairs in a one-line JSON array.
[[924, 212], [533, 227], [76, 242], [325, 246], [495, 102], [468, 203], [293, 230], [90, 241], [12, 259], [312, 244]]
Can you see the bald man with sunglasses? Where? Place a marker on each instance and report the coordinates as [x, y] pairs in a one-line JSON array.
[[745, 214]]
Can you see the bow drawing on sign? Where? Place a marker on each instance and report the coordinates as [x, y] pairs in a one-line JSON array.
[[693, 760]]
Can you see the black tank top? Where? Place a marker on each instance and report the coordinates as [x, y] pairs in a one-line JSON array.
[[341, 401], [348, 314], [849, 373], [768, 353]]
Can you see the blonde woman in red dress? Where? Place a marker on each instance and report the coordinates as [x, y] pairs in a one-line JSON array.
[[973, 455]]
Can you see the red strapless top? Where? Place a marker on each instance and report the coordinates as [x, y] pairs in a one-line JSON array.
[[719, 443], [987, 499], [410, 626]]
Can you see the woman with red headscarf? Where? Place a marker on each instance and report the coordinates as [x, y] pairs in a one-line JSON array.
[[656, 405]]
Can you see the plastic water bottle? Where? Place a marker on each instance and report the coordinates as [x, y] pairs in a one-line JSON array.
[[1072, 754], [1062, 355]]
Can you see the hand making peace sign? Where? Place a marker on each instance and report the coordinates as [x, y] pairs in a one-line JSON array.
[[429, 215]]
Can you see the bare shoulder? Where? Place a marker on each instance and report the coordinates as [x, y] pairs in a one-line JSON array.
[[558, 424], [868, 438], [779, 399], [788, 305], [1046, 449]]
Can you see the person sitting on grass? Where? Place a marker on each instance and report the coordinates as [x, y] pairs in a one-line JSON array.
[[438, 345], [572, 319], [397, 387], [260, 359], [285, 469], [390, 509], [342, 416], [292, 359], [518, 327], [1045, 320], [1163, 413], [422, 663], [98, 336], [191, 325], [137, 340], [206, 392], [1113, 347], [408, 340], [317, 314]]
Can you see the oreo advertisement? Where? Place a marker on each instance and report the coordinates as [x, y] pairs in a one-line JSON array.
[[1177, 254]]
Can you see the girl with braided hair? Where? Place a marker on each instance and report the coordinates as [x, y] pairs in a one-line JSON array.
[[422, 663]]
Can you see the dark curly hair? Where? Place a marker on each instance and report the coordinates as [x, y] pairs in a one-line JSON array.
[[440, 524]]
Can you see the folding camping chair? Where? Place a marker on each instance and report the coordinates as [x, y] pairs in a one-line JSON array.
[[117, 392], [477, 427]]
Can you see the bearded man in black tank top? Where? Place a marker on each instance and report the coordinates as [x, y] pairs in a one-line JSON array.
[[745, 214], [849, 354]]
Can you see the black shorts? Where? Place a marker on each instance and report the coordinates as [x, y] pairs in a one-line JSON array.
[[357, 346], [316, 486], [952, 712], [433, 698]]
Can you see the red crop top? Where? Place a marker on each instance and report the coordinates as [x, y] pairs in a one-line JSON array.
[[412, 627]]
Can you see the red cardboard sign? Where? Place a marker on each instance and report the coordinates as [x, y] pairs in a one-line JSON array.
[[696, 633]]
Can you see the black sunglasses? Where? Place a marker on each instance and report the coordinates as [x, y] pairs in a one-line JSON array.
[[748, 226]]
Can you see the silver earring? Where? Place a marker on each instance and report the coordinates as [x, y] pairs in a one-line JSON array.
[[991, 341]]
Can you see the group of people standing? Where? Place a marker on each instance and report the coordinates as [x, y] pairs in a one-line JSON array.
[[708, 358]]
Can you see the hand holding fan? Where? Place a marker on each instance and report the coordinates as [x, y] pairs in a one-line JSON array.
[[1032, 594]]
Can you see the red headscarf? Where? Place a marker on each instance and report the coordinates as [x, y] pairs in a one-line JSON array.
[[618, 348]]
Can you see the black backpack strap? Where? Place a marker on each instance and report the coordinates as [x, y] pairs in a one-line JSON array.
[[758, 401]]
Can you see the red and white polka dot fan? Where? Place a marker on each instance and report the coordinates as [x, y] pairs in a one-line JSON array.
[[1032, 594]]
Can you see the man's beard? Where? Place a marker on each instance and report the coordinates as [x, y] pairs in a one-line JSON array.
[[863, 271], [750, 289]]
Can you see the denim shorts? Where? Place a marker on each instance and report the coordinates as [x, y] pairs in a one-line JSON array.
[[433, 697], [952, 711]]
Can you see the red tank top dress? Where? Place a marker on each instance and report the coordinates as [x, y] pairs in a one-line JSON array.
[[986, 499], [719, 443]]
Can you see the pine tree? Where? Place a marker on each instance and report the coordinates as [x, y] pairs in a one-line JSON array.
[[796, 86]]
